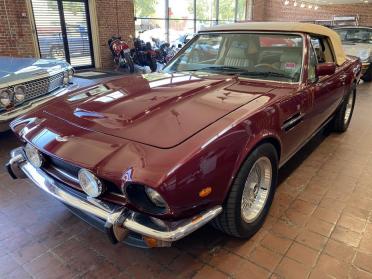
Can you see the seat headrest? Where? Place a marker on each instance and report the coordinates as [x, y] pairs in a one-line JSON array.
[[291, 55], [237, 50]]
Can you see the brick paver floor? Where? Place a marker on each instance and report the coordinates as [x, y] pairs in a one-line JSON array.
[[320, 225]]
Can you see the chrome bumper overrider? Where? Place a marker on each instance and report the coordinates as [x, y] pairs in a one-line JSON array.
[[119, 221], [7, 116], [365, 67]]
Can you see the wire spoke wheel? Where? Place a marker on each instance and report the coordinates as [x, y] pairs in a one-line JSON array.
[[256, 190]]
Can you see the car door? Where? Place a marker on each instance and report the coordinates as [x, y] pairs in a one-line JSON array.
[[327, 91], [295, 108], [295, 121]]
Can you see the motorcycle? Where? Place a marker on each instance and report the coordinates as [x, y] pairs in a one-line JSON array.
[[164, 53], [121, 53], [143, 54]]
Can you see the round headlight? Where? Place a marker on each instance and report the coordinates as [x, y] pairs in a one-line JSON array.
[[65, 78], [34, 156], [19, 93], [90, 184], [70, 75], [5, 98], [155, 197], [364, 54]]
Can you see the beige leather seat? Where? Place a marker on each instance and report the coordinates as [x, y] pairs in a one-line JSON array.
[[238, 54]]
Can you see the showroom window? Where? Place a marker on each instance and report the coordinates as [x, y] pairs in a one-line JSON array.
[[173, 20]]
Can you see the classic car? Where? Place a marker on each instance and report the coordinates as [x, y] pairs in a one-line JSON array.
[[27, 82], [357, 41], [151, 158]]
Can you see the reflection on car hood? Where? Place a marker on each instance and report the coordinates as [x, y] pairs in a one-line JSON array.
[[160, 110], [356, 48], [14, 69]]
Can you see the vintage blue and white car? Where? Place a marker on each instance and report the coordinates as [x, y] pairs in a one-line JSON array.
[[357, 41], [27, 82]]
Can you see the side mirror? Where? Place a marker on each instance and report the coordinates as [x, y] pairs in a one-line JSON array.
[[325, 69]]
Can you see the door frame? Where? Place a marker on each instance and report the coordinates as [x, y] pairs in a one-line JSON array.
[[95, 55]]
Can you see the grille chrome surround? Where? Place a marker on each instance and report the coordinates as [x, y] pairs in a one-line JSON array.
[[38, 87]]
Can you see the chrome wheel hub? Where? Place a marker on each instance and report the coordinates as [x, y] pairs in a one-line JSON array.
[[349, 107], [256, 190]]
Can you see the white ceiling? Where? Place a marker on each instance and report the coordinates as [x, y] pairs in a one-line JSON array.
[[327, 2]]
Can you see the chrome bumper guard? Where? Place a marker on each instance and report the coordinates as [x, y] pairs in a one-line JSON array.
[[119, 221], [365, 67]]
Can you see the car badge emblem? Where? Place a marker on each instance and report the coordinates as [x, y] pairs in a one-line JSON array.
[[61, 139]]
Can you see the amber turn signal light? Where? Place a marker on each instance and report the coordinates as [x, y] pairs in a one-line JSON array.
[[205, 192], [150, 242]]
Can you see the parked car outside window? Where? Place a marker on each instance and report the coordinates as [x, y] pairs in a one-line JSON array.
[[357, 41]]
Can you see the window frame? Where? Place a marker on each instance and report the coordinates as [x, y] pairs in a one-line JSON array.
[[325, 43], [214, 21], [312, 50]]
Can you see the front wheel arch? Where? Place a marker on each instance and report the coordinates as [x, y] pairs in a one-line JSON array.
[[230, 221], [275, 142]]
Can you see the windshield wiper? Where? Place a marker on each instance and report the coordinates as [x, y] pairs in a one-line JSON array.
[[240, 71], [268, 74], [220, 68]]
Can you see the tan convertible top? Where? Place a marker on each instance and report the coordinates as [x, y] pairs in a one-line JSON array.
[[288, 27]]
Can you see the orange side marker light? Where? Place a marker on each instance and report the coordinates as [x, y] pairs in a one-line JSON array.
[[205, 192]]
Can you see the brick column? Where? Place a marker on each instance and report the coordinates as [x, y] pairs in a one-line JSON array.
[[114, 17]]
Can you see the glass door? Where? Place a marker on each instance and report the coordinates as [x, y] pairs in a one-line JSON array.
[[63, 31]]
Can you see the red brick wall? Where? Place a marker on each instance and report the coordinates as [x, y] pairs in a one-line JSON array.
[[274, 10], [115, 17], [15, 35]]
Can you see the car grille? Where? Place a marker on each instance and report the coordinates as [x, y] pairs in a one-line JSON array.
[[68, 173], [40, 87]]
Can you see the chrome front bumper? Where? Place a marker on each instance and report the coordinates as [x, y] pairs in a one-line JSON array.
[[119, 221], [7, 116], [365, 67]]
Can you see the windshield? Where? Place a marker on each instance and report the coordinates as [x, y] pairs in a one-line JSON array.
[[275, 57], [355, 35]]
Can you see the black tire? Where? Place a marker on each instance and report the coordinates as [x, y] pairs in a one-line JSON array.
[[367, 77], [231, 221], [340, 124], [129, 61]]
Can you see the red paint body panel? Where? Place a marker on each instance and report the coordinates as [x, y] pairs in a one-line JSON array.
[[183, 105], [184, 133]]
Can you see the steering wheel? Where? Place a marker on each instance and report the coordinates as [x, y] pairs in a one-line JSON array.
[[265, 66]]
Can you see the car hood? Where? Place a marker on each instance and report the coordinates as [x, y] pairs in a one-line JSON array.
[[14, 69], [357, 49], [160, 110]]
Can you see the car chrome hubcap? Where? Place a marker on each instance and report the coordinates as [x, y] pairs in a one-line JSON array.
[[256, 190], [349, 107]]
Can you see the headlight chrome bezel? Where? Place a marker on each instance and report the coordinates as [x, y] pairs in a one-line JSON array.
[[145, 198], [364, 55], [90, 183], [33, 156], [70, 75], [9, 94], [17, 93], [155, 198], [65, 78]]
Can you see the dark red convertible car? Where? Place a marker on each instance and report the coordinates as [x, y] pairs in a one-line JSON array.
[[152, 158]]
